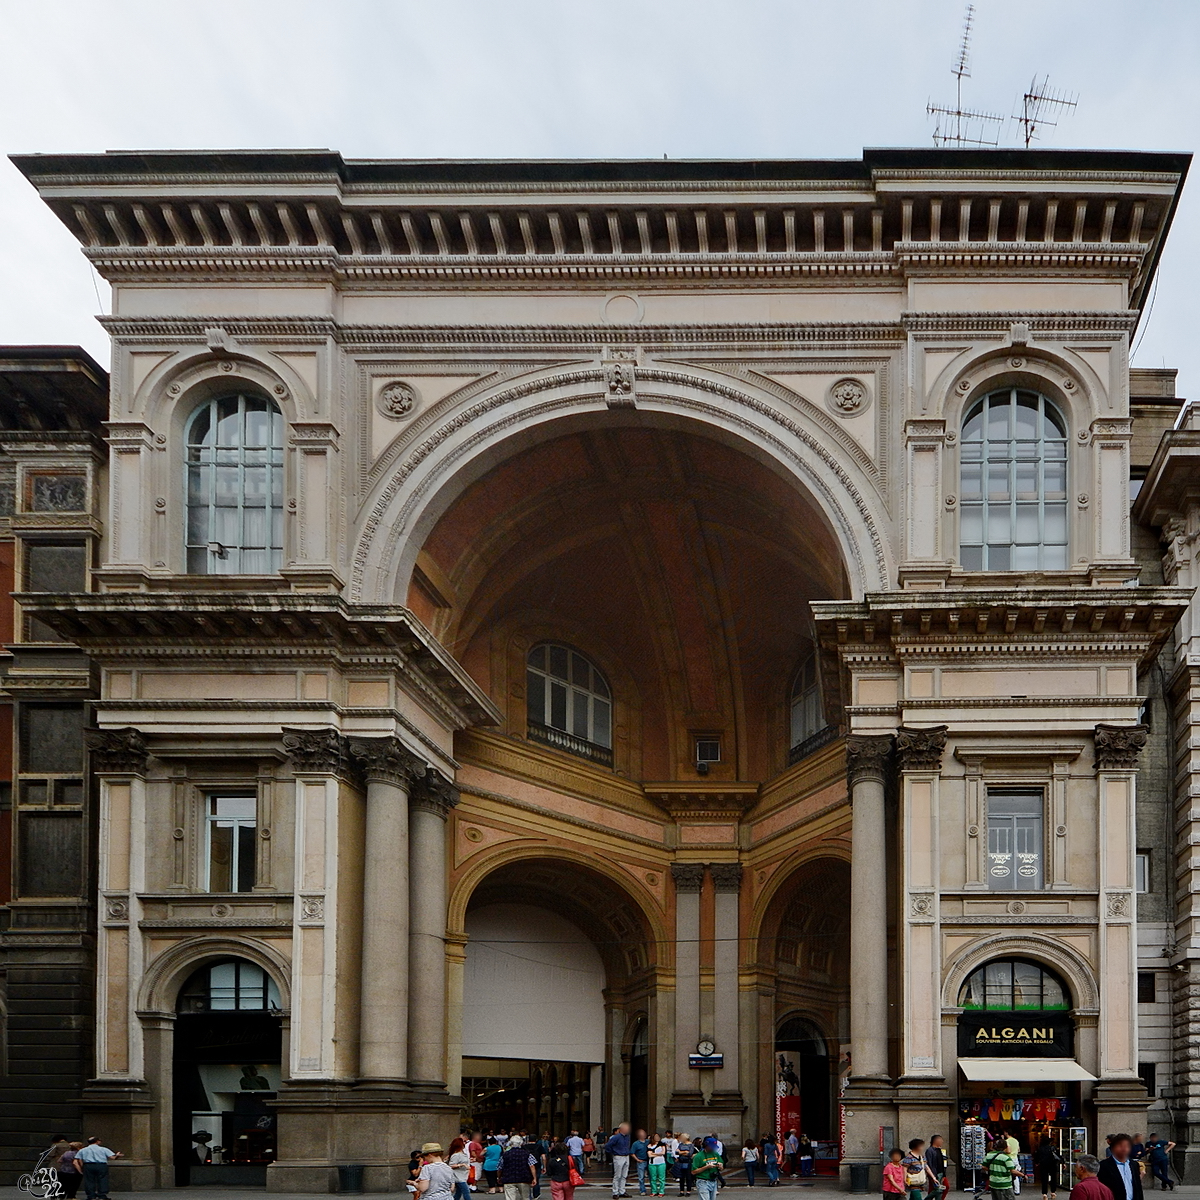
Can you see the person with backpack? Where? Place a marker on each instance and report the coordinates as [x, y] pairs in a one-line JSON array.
[[684, 1151], [918, 1178], [1001, 1170]]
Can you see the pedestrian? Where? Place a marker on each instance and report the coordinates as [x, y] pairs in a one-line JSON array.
[[95, 1158], [1119, 1173], [935, 1158], [706, 1169], [749, 1160], [804, 1152], [1088, 1186], [518, 1169], [491, 1165], [918, 1178], [576, 1145], [1158, 1155], [68, 1173], [618, 1147], [770, 1158], [684, 1152], [791, 1152], [435, 1180], [1001, 1169], [637, 1154], [559, 1166], [1014, 1147], [1047, 1167], [893, 1174], [459, 1163], [657, 1152]]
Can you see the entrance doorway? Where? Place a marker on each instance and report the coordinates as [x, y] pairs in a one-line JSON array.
[[802, 1059], [227, 1063]]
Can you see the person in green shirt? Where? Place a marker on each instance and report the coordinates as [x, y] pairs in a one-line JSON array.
[[706, 1169], [1001, 1168]]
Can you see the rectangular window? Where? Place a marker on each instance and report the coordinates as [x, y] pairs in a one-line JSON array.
[[232, 836], [1142, 865], [1145, 987], [1015, 838], [1149, 1077], [53, 567]]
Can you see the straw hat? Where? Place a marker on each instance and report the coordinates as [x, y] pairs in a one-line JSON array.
[[432, 1148]]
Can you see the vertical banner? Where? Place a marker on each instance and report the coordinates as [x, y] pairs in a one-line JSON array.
[[787, 1105]]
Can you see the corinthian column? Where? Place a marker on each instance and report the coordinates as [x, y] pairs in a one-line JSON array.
[[389, 770], [430, 802]]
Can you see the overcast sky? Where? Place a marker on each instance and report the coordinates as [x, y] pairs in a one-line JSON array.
[[557, 78]]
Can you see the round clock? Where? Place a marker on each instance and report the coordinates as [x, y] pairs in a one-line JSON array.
[[705, 1048]]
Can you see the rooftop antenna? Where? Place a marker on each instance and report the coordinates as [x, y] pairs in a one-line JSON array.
[[955, 126], [1036, 105]]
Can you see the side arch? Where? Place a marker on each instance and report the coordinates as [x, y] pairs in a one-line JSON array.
[[164, 977], [1059, 957], [770, 904]]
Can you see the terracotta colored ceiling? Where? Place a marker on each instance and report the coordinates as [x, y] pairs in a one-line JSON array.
[[683, 562]]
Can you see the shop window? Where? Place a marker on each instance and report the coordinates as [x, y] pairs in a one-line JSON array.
[[232, 985], [231, 842], [235, 487], [1015, 840], [1012, 984], [1013, 484], [569, 703], [1146, 991]]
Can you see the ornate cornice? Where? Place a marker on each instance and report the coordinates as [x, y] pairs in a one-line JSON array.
[[867, 758], [387, 760], [1118, 746], [117, 751], [727, 877], [921, 749], [434, 793], [688, 877], [318, 752]]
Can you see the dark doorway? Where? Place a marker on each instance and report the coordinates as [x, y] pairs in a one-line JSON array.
[[801, 1045], [639, 1079]]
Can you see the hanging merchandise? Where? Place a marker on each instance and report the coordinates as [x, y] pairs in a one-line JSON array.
[[973, 1146]]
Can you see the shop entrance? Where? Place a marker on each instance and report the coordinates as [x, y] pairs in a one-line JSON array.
[[227, 1058]]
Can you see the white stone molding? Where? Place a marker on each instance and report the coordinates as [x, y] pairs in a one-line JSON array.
[[1054, 953]]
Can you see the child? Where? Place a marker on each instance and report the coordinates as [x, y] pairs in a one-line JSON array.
[[893, 1174]]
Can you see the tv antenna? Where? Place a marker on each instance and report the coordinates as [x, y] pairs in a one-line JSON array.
[[960, 126], [1036, 105]]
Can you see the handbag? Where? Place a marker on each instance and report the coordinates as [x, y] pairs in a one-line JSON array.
[[576, 1179]]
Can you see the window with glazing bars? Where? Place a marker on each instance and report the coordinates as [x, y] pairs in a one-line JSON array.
[[566, 692], [1014, 831], [232, 842], [807, 715], [1013, 485], [235, 487]]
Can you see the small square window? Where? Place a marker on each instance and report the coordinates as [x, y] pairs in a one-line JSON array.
[[1149, 1076], [1146, 993], [708, 750]]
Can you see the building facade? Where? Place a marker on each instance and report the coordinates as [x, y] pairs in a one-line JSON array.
[[577, 640]]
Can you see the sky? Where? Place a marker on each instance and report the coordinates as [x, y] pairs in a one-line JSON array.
[[563, 79]]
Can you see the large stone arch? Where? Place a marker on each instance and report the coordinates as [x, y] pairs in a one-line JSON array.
[[458, 444]]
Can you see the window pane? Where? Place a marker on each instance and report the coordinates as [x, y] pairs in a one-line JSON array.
[[1027, 525], [235, 807], [246, 835], [535, 697], [558, 662], [601, 723], [581, 671], [998, 420], [558, 705], [220, 856], [222, 986], [971, 479], [579, 720], [998, 981], [999, 558], [971, 525], [999, 524], [1027, 985], [972, 994], [1000, 852], [1052, 992]]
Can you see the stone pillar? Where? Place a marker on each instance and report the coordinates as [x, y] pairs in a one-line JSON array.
[[869, 1098], [389, 770], [689, 878], [727, 882], [430, 803]]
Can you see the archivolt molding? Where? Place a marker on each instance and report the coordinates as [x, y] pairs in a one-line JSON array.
[[1050, 952], [164, 977], [379, 558]]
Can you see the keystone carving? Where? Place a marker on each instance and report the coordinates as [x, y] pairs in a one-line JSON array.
[[117, 751], [689, 877], [1118, 746], [387, 760], [867, 757], [434, 793], [619, 391], [921, 749], [727, 877], [317, 752]]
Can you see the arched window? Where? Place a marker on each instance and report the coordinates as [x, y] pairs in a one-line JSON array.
[[1009, 984], [231, 985], [808, 716], [1013, 484], [569, 703], [235, 487]]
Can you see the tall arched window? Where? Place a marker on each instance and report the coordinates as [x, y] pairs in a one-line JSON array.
[[1009, 984], [235, 487], [1013, 484], [569, 703], [231, 985], [807, 712]]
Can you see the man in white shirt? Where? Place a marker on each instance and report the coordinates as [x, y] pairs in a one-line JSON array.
[[575, 1146], [94, 1160]]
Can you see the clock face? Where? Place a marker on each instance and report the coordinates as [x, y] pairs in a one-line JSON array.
[[705, 1048]]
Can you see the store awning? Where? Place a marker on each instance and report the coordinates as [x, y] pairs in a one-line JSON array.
[[1024, 1070]]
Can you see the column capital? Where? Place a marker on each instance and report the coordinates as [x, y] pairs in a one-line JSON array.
[[867, 756], [434, 793], [689, 877], [1118, 746], [318, 752], [387, 760], [727, 877], [921, 749], [117, 751]]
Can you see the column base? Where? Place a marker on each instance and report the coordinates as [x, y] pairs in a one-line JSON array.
[[123, 1117], [869, 1103], [923, 1108], [1121, 1106]]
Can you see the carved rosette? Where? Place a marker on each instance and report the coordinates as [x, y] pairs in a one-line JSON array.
[[689, 877], [727, 877], [921, 749], [318, 752], [387, 760], [867, 757], [117, 751], [1118, 746], [434, 793]]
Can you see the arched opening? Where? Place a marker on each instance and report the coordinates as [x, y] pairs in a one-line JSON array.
[[556, 954], [802, 1073], [227, 1063], [639, 1076]]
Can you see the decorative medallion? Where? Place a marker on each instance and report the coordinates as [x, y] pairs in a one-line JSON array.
[[1118, 904], [312, 908], [472, 834], [921, 904], [221, 911], [1016, 907], [116, 909], [847, 397], [397, 400]]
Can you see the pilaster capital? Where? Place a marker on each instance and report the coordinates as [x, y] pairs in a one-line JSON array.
[[689, 877], [727, 877], [434, 793], [318, 752], [867, 757], [921, 749], [1118, 746], [117, 751], [387, 760]]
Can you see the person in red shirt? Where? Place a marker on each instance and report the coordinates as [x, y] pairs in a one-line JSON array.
[[1089, 1187], [893, 1175]]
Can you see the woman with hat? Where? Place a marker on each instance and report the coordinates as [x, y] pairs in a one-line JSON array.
[[435, 1180]]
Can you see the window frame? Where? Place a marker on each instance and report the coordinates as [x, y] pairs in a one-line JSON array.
[[597, 745], [999, 793], [820, 733], [210, 798], [268, 989], [1011, 960], [208, 459], [1005, 453]]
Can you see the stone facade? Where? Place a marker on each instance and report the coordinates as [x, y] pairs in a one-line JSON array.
[[604, 538]]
